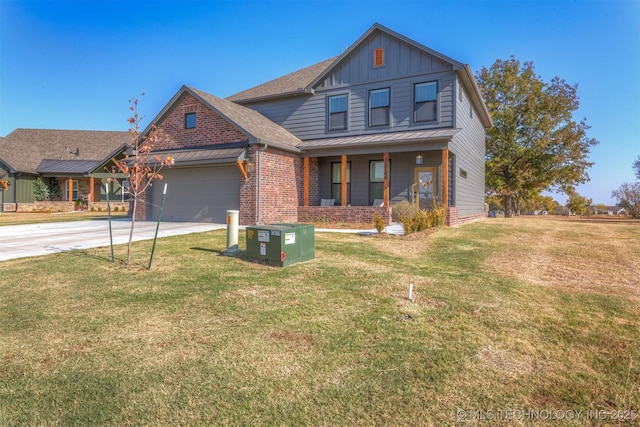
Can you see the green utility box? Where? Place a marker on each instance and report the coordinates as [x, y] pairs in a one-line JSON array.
[[281, 244]]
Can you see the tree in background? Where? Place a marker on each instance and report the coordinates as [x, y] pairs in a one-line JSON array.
[[534, 144], [628, 195], [578, 204], [142, 167]]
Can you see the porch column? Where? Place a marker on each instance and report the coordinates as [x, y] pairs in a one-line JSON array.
[[343, 185], [445, 177], [305, 184], [385, 191], [91, 186], [70, 195]]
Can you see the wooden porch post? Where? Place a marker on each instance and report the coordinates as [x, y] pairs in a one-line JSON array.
[[445, 177], [305, 184], [343, 185], [91, 192], [70, 196], [385, 191]]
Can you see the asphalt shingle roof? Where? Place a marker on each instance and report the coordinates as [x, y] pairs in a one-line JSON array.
[[25, 149], [289, 84]]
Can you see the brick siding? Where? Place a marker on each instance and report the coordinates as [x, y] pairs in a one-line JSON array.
[[346, 214]]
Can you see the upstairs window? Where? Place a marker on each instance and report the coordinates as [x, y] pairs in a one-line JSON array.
[[426, 102], [379, 107], [190, 120], [378, 57], [338, 112]]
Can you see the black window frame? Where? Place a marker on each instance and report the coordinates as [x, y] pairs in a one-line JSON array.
[[190, 120], [422, 105], [336, 186], [374, 111], [333, 114], [373, 185]]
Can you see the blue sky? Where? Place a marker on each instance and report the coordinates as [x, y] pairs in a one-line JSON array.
[[75, 64]]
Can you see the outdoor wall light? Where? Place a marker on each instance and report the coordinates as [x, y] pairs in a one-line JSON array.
[[419, 159]]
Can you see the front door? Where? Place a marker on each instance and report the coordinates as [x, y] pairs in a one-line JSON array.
[[425, 184]]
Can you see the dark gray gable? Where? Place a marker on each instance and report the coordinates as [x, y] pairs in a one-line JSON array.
[[402, 57]]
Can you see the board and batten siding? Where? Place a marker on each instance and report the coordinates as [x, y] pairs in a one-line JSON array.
[[405, 65], [469, 148]]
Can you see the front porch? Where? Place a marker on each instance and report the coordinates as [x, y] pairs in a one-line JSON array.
[[352, 188]]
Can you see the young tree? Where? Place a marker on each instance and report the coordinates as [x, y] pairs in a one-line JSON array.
[[534, 144], [40, 190], [636, 167], [141, 168], [628, 195]]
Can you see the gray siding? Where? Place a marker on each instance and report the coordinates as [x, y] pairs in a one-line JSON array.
[[306, 117], [469, 148], [405, 65]]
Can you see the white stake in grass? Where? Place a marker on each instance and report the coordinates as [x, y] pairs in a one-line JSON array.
[[411, 292]]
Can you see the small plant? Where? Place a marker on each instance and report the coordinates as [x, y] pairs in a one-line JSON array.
[[378, 222], [93, 208], [40, 190], [400, 210], [99, 209], [407, 224]]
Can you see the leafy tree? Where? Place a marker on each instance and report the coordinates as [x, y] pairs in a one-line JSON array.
[[578, 204], [142, 167], [534, 144], [628, 195], [40, 190], [54, 189]]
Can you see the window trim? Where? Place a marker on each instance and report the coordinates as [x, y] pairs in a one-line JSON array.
[[186, 120], [415, 103], [387, 107], [330, 113], [338, 201]]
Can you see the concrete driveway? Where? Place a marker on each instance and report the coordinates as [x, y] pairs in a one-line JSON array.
[[19, 241]]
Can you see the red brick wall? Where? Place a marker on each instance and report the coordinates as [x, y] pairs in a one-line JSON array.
[[210, 127], [248, 195], [348, 214], [281, 189]]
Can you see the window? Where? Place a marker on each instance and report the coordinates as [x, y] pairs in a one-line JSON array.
[[190, 120], [376, 180], [378, 57], [426, 102], [74, 194], [336, 182], [338, 112], [379, 107]]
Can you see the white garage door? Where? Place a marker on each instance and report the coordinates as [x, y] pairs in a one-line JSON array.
[[200, 194]]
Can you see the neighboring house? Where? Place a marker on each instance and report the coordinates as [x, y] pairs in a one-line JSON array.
[[616, 210], [75, 160], [387, 121]]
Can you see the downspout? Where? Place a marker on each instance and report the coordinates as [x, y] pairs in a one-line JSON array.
[[258, 184]]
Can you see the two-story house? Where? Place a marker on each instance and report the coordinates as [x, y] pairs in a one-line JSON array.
[[388, 120]]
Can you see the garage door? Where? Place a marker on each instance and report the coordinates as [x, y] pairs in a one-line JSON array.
[[200, 194]]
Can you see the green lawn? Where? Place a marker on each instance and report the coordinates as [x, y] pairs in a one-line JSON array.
[[509, 315]]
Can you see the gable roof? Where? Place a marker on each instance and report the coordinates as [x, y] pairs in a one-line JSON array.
[[296, 83], [254, 125], [25, 149], [304, 81]]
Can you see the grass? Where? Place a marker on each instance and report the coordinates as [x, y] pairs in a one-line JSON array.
[[13, 218], [509, 314]]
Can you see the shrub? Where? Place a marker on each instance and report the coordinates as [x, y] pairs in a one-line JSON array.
[[400, 210], [407, 224], [99, 209], [378, 222], [93, 208]]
